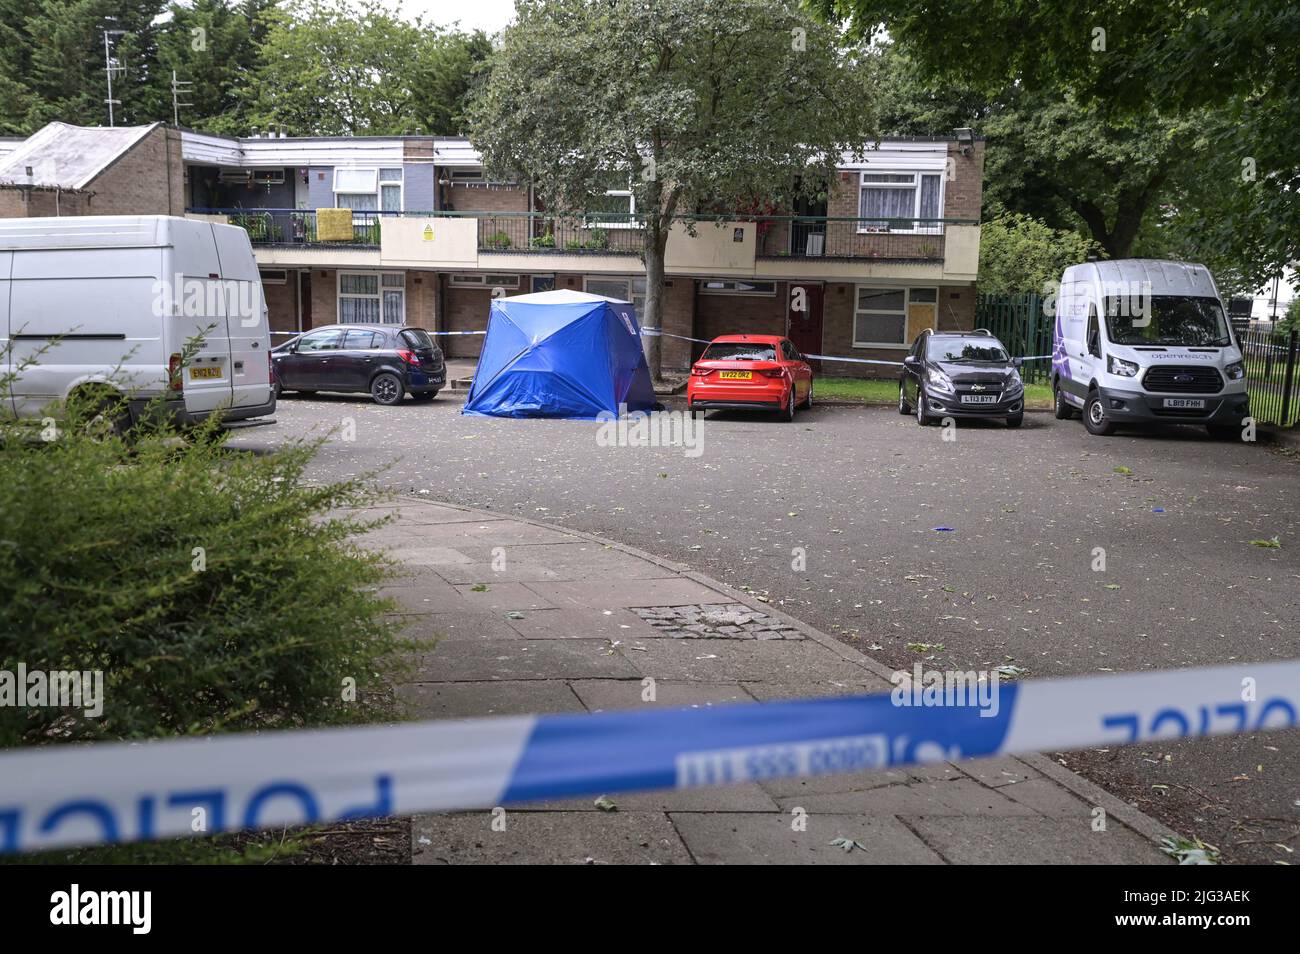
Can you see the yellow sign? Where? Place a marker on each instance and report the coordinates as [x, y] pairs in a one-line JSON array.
[[334, 225], [428, 233]]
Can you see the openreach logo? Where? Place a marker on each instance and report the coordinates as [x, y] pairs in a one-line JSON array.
[[188, 297], [54, 688], [936, 688], [75, 906], [660, 429]]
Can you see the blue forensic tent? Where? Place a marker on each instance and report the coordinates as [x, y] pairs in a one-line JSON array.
[[560, 354]]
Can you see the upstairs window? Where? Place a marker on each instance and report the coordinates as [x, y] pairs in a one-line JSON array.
[[906, 196]]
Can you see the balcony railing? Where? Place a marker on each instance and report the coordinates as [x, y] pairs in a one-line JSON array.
[[602, 233]]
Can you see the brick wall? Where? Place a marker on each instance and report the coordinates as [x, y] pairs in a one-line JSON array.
[[956, 308], [282, 305], [422, 299], [15, 203], [324, 297], [964, 192], [492, 198], [678, 319], [740, 314], [149, 179]]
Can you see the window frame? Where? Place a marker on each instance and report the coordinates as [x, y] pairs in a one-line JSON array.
[[631, 222], [480, 280], [378, 192], [902, 344], [378, 296], [705, 290], [916, 189]]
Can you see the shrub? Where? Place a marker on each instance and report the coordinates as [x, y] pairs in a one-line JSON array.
[[498, 240], [215, 589]]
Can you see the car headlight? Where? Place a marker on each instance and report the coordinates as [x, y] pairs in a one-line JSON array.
[[939, 380], [1125, 369], [1013, 384], [1235, 372]]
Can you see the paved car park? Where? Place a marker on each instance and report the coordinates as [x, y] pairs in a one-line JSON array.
[[965, 548]]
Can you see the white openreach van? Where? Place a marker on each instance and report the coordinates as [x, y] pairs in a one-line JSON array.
[[101, 302], [1141, 341]]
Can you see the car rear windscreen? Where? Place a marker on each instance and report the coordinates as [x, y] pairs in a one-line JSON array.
[[418, 339], [739, 351]]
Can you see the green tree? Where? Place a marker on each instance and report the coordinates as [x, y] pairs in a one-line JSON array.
[[1020, 254], [213, 45], [447, 67], [686, 103], [1239, 62]]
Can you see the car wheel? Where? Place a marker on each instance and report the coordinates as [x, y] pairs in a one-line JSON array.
[[387, 389], [1094, 416], [276, 390], [787, 413], [1060, 406], [922, 417], [1015, 420], [903, 407], [807, 401]]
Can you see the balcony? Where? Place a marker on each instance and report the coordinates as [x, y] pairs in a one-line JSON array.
[[771, 246]]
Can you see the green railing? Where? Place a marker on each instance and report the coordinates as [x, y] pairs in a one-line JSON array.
[[1019, 323], [1270, 359]]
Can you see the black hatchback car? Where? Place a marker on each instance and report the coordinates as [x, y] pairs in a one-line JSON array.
[[961, 374], [385, 361]]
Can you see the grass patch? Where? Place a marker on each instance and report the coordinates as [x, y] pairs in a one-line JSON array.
[[885, 391]]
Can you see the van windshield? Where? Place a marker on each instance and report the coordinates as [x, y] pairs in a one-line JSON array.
[[1167, 320]]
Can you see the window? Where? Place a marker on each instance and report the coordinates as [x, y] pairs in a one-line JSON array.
[[880, 317], [320, 341], [739, 351], [273, 276], [900, 195], [368, 190], [372, 297], [485, 281], [719, 286], [362, 340], [950, 348], [616, 209], [623, 289]]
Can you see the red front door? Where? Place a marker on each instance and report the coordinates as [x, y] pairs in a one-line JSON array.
[[803, 318]]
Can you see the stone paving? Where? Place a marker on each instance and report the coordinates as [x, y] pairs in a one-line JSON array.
[[514, 618]]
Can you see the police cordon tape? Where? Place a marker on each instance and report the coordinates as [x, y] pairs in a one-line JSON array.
[[64, 795]]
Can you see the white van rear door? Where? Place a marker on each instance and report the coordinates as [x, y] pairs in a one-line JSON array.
[[246, 321], [6, 344], [198, 316]]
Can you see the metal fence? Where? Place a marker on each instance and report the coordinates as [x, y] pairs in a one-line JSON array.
[[1019, 323], [1270, 359]]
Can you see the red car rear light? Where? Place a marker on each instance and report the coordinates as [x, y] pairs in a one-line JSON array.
[[772, 372], [175, 379], [701, 372], [410, 357]]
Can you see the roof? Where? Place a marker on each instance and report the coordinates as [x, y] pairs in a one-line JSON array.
[[1129, 275], [63, 156]]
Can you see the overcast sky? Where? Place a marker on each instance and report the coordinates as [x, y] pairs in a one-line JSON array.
[[487, 15]]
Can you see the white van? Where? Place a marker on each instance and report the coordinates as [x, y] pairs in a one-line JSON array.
[[1141, 341], [99, 302]]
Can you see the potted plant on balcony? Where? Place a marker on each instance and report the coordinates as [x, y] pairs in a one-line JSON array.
[[542, 241], [498, 240]]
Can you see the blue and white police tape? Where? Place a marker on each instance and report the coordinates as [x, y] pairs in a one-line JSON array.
[[118, 792]]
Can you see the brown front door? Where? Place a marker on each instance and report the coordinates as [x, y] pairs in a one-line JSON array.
[[803, 318], [304, 289]]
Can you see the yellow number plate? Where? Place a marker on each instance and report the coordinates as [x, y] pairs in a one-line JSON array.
[[197, 373], [736, 375]]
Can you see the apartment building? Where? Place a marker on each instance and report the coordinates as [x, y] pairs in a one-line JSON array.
[[408, 229]]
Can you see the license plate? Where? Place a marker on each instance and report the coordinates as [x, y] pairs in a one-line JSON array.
[[197, 374], [1186, 403], [736, 375], [979, 399]]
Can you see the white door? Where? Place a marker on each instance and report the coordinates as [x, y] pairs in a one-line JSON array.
[[196, 316], [246, 318]]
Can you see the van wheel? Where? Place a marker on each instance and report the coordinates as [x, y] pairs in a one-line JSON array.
[[387, 389], [1062, 408], [903, 407], [1094, 416]]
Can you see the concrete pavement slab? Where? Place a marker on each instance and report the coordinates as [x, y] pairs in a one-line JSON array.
[[605, 594], [502, 597], [505, 659], [717, 838], [958, 797], [547, 838], [464, 700], [719, 660], [601, 694], [616, 624], [1033, 841], [435, 627]]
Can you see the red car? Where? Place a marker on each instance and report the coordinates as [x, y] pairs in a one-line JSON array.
[[751, 373]]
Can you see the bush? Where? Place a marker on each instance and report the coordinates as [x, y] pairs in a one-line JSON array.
[[1020, 254], [498, 240], [212, 587]]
